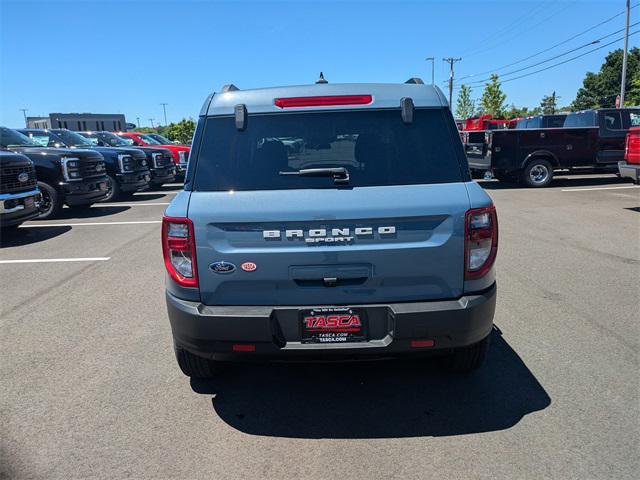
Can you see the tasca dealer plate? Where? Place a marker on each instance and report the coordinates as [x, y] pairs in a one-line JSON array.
[[333, 325]]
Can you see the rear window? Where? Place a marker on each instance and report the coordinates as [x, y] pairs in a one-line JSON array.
[[375, 146]]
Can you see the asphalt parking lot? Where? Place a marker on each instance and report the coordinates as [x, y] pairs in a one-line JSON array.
[[90, 388]]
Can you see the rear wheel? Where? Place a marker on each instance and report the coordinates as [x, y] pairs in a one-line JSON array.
[[467, 359], [50, 204], [537, 173], [193, 365]]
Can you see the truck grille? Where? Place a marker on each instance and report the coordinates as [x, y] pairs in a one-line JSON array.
[[88, 168], [9, 182]]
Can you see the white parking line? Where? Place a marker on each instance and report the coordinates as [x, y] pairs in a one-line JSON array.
[[50, 260], [85, 224], [148, 204], [161, 193], [182, 184], [597, 188]]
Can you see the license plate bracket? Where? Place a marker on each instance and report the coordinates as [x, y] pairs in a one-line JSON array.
[[333, 325]]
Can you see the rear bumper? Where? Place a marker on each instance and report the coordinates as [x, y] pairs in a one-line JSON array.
[[275, 331], [629, 170], [85, 192]]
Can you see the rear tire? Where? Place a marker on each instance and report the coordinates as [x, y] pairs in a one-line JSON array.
[[467, 359], [538, 173], [193, 365], [50, 202]]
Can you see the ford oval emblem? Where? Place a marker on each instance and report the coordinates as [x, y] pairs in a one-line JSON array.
[[23, 177], [99, 167], [222, 267]]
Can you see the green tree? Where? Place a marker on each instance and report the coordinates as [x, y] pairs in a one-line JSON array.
[[632, 96], [549, 104], [519, 112], [465, 106], [493, 98], [182, 131], [599, 90]]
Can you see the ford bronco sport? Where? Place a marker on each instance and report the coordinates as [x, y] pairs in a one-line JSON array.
[[332, 221]]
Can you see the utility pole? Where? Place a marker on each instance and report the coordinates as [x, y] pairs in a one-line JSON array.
[[151, 120], [433, 68], [624, 57], [138, 122], [164, 107], [451, 61], [24, 113]]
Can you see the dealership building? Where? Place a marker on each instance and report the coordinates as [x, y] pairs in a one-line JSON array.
[[80, 121]]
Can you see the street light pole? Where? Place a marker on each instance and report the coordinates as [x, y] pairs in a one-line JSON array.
[[433, 68], [624, 57], [164, 108], [451, 61], [24, 113]]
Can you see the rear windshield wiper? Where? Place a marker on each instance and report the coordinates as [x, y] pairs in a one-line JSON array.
[[339, 174]]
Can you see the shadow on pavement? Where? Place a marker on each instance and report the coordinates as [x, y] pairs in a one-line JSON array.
[[140, 198], [26, 236], [560, 181], [383, 399]]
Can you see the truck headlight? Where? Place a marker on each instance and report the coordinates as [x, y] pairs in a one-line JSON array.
[[70, 168], [126, 162]]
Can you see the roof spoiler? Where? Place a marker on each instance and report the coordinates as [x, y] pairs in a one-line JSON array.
[[415, 80], [230, 87]]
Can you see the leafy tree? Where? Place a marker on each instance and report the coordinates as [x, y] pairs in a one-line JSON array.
[[181, 131], [632, 96], [549, 104], [518, 112], [465, 106], [493, 98], [599, 90]]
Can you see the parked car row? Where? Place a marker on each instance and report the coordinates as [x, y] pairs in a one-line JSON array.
[[43, 170], [587, 141]]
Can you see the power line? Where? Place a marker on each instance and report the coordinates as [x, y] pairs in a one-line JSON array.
[[557, 56], [520, 32], [553, 46], [451, 61], [567, 60]]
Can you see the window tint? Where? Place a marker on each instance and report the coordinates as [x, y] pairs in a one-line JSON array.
[[581, 119], [554, 121], [633, 119], [375, 146], [612, 120], [534, 122]]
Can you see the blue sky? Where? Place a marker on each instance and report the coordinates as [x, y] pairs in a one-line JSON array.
[[113, 56]]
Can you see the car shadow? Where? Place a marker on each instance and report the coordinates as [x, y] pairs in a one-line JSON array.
[[139, 198], [86, 212], [26, 236], [382, 399], [559, 181]]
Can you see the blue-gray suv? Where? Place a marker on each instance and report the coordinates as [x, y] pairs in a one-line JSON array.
[[334, 221]]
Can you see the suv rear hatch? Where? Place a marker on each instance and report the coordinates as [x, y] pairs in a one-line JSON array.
[[392, 233]]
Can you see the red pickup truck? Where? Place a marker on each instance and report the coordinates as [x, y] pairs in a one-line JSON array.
[[180, 152], [630, 166]]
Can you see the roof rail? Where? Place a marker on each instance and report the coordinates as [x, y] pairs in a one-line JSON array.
[[415, 80], [230, 87]]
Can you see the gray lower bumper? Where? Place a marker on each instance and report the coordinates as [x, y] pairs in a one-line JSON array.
[[275, 330], [629, 170]]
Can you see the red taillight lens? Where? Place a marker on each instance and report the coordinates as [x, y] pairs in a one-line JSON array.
[[325, 101], [480, 241], [178, 248]]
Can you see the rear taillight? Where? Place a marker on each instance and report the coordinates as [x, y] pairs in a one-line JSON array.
[[480, 241], [178, 248], [323, 101]]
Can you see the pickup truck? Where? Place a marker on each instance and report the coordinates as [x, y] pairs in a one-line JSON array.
[[590, 140], [329, 221], [159, 159], [19, 194], [75, 177], [180, 152], [126, 168], [630, 166]]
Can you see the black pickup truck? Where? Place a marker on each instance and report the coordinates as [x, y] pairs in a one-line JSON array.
[[127, 168], [18, 189], [160, 159], [588, 141], [68, 176]]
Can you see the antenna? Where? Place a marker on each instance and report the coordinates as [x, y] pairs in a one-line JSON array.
[[321, 79]]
